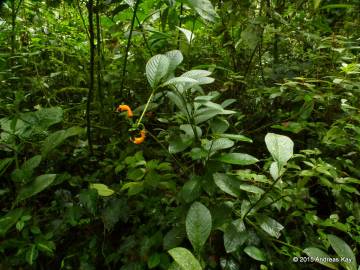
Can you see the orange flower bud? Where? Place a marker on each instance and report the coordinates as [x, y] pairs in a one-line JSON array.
[[125, 108], [139, 140]]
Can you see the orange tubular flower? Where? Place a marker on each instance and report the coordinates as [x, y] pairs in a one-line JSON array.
[[139, 140], [125, 108]]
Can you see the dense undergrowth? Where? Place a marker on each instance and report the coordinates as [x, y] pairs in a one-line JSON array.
[[236, 145]]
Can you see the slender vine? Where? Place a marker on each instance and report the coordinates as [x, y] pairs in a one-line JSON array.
[[127, 51]]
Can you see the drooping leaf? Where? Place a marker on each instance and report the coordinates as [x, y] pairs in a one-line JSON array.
[[218, 144], [188, 34], [227, 183], [238, 159], [39, 184], [57, 138], [205, 9], [103, 190], [269, 225], [175, 58], [173, 238], [280, 147], [252, 189], [255, 253], [318, 253], [31, 254], [198, 225], [235, 235], [184, 258], [343, 250], [156, 68], [9, 220], [236, 137]]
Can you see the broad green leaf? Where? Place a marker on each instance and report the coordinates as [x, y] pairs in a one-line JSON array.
[[156, 68], [177, 100], [236, 137], [204, 8], [318, 253], [252, 189], [180, 80], [57, 138], [179, 143], [39, 184], [188, 34], [227, 183], [255, 253], [24, 173], [238, 159], [135, 174], [198, 225], [218, 144], [46, 246], [9, 220], [173, 238], [103, 190], [154, 260], [198, 75], [133, 188], [184, 258], [269, 225], [4, 164], [175, 57], [235, 235], [31, 254], [191, 190], [317, 4], [88, 198], [219, 125], [280, 147], [275, 170], [343, 250]]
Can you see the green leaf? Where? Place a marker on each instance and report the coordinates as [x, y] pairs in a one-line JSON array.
[[24, 173], [275, 170], [57, 138], [180, 80], [4, 164], [175, 58], [201, 76], [280, 147], [39, 184], [179, 143], [236, 137], [103, 190], [269, 225], [9, 220], [255, 253], [156, 68], [238, 159], [251, 189], [31, 254], [218, 144], [198, 225], [318, 253], [205, 9], [89, 199], [343, 251], [188, 34], [136, 174], [173, 238], [235, 235], [185, 259], [191, 190], [226, 183], [133, 188]]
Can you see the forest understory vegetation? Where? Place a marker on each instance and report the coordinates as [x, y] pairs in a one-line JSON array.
[[180, 134]]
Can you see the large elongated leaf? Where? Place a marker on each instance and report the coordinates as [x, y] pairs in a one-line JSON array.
[[156, 68], [269, 225], [103, 190], [188, 34], [9, 220], [198, 225], [280, 147], [227, 183], [343, 251], [185, 259], [255, 253], [235, 235], [318, 253], [238, 159], [205, 9], [58, 137], [175, 58], [39, 184]]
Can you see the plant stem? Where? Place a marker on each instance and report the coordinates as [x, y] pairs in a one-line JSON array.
[[127, 51], [91, 83], [146, 107]]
